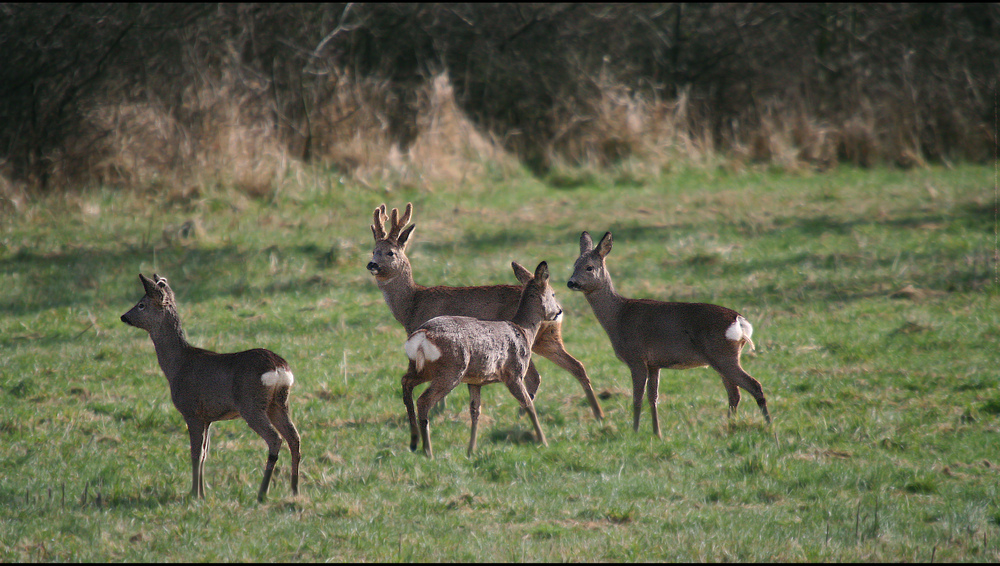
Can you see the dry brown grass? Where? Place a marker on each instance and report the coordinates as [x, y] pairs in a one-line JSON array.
[[225, 133], [230, 140]]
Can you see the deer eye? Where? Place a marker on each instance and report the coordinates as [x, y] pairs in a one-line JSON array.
[[390, 253], [590, 268], [141, 306]]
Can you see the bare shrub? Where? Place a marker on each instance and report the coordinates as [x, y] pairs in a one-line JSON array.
[[241, 94]]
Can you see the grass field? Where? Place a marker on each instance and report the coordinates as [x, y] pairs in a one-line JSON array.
[[873, 296]]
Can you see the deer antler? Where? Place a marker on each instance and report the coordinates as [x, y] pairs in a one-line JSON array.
[[399, 223], [378, 219]]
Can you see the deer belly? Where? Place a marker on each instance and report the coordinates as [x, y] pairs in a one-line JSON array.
[[684, 365], [488, 368]]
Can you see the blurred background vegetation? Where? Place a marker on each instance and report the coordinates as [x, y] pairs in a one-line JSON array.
[[180, 95]]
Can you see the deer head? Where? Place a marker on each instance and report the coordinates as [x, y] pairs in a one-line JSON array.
[[389, 255], [149, 312], [537, 285], [589, 271]]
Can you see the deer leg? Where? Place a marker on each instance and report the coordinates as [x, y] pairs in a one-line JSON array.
[[531, 379], [260, 424], [517, 389], [732, 371], [434, 393], [531, 383], [198, 432], [204, 456], [278, 414], [639, 377], [733, 392], [550, 345], [475, 401], [411, 414], [653, 392]]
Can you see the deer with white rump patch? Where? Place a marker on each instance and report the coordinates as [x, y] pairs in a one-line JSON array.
[[448, 350], [649, 335], [413, 304], [207, 387]]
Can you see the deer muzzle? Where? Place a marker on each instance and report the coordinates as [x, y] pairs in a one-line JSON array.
[[373, 267]]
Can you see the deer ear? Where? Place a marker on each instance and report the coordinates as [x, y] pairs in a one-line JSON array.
[[152, 290], [604, 246], [521, 272], [405, 235], [586, 244], [542, 272]]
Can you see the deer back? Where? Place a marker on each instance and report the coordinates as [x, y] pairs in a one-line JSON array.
[[665, 334]]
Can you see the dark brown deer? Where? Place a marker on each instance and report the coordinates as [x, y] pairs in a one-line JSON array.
[[207, 387], [649, 335], [448, 350], [413, 305]]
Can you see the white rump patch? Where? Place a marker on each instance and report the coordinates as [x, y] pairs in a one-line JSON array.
[[735, 331], [420, 349], [278, 377], [741, 329]]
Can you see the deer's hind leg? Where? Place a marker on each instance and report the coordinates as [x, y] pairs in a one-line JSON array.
[[409, 381], [261, 424], [432, 395], [734, 375], [277, 412]]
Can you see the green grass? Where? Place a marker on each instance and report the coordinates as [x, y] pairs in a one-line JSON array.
[[872, 294]]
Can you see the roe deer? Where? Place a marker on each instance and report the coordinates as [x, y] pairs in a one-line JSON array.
[[648, 335], [448, 350], [413, 304], [207, 387]]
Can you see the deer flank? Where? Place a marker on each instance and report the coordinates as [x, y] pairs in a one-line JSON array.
[[412, 304], [206, 387], [449, 350], [648, 335]]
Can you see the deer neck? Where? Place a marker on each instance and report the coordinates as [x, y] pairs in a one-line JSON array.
[[171, 345], [398, 292], [529, 316], [607, 306]]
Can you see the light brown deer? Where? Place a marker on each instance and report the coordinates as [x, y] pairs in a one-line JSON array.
[[207, 387], [448, 350], [413, 305], [648, 335]]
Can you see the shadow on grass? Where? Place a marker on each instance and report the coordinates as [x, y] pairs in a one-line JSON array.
[[75, 497]]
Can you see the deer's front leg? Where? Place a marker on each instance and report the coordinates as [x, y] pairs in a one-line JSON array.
[[198, 433], [518, 390], [653, 392], [475, 401], [549, 344], [639, 377]]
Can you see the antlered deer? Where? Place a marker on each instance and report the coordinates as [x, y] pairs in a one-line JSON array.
[[207, 387], [648, 335], [413, 304], [448, 350]]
